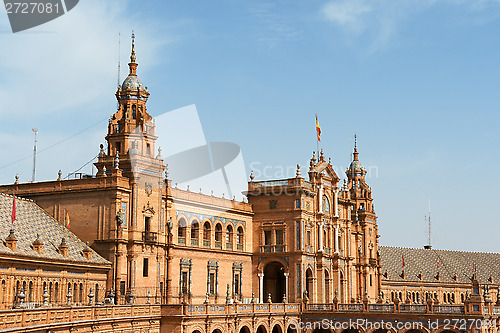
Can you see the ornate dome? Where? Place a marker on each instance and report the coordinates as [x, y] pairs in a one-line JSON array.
[[356, 167], [133, 83]]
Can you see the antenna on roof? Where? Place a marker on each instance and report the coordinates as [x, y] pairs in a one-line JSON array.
[[34, 155], [119, 66], [429, 239]]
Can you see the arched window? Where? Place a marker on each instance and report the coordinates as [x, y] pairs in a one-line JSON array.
[[30, 292], [218, 235], [181, 231], [326, 204], [239, 238], [207, 234], [80, 294], [229, 237], [195, 230]]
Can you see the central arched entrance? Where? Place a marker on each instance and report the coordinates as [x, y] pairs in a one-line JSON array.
[[274, 282]]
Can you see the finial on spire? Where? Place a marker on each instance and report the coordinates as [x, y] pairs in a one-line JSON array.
[[355, 147], [132, 65]]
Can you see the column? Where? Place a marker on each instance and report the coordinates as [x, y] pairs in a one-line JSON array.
[[336, 228], [261, 287], [286, 286], [320, 199], [321, 240], [336, 202]]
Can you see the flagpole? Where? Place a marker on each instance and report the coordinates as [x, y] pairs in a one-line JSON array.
[[317, 137]]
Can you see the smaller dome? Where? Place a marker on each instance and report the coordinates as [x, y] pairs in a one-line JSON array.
[[133, 83], [356, 167]]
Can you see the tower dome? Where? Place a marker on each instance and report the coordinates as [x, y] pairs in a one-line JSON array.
[[355, 168], [132, 82]]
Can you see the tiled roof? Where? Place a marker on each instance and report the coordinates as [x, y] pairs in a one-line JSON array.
[[453, 266], [32, 220]]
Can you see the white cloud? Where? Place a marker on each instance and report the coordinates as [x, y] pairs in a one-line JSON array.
[[61, 77], [347, 13], [71, 60], [380, 19]]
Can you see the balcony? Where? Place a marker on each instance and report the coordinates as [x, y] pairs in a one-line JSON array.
[[194, 241], [273, 248], [149, 237], [206, 242], [229, 246]]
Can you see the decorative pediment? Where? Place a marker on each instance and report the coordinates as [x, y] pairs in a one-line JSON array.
[[148, 209]]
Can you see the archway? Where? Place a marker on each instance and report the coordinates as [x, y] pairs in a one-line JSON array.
[[216, 331], [261, 329], [350, 331], [277, 329], [244, 329], [291, 329], [309, 283], [196, 331], [274, 282]]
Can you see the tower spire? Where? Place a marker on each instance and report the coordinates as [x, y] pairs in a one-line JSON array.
[[355, 148], [133, 65]]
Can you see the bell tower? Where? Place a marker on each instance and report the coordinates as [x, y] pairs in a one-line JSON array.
[[131, 129], [364, 221]]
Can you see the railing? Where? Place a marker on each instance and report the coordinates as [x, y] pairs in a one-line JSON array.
[[449, 309], [350, 307], [194, 242], [182, 240], [196, 310], [381, 307], [320, 307], [420, 308], [272, 248], [271, 183], [149, 237], [496, 309], [239, 246], [218, 245], [206, 242], [44, 317], [229, 246]]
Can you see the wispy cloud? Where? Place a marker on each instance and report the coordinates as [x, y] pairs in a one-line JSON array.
[[69, 62], [273, 26], [348, 13], [380, 19]]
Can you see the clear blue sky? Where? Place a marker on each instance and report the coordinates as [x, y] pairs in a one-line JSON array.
[[417, 80]]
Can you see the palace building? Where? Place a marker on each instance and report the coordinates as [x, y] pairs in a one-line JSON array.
[[304, 247]]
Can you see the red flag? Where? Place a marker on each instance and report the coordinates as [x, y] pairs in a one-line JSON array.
[[14, 210], [318, 129], [438, 262], [403, 264]]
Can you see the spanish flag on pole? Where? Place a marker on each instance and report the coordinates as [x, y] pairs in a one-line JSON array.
[[66, 219], [318, 129]]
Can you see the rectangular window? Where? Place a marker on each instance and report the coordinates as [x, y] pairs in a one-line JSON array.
[[122, 287], [211, 283], [308, 238], [268, 237], [279, 237], [184, 283], [236, 284], [145, 267], [298, 234], [297, 203], [212, 277]]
